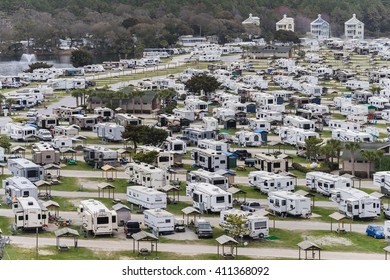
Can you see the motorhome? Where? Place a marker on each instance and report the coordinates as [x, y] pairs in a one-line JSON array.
[[203, 176], [146, 175], [19, 132], [382, 179], [67, 131], [212, 144], [170, 121], [209, 198], [289, 203], [22, 167], [356, 84], [270, 163], [159, 221], [127, 119], [145, 197], [97, 218], [105, 113], [84, 121], [209, 159], [346, 135], [175, 145], [29, 213], [299, 122], [324, 183], [356, 203], [296, 136], [164, 159], [44, 153], [256, 226], [109, 131], [98, 156], [15, 187], [268, 182]]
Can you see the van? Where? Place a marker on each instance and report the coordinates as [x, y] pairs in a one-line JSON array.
[[131, 227]]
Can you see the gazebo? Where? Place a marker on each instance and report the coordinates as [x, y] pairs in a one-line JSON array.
[[105, 171], [52, 206], [102, 187], [236, 193], [339, 218], [148, 237], [54, 167], [67, 154], [387, 251], [122, 153], [18, 150], [175, 190], [309, 246], [188, 211], [230, 242], [66, 232], [41, 184]]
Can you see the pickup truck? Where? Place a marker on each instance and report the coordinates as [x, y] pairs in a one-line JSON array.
[[203, 228]]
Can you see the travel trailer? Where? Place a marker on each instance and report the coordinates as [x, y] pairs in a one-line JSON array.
[[97, 218], [159, 221], [15, 187], [382, 179], [65, 112], [268, 182], [335, 124], [214, 145], [356, 203], [257, 226], [84, 121], [270, 163], [109, 131], [66, 84], [299, 122], [99, 156], [324, 183], [29, 213], [289, 203], [296, 136], [203, 176], [209, 198], [47, 121], [69, 131], [127, 119], [346, 135], [45, 154], [146, 175], [145, 197], [164, 159], [209, 160], [22, 167], [105, 113], [61, 142], [175, 145], [19, 132], [196, 134]]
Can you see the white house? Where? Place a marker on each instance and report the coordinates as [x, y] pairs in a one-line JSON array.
[[286, 23], [252, 20], [320, 28], [354, 29]]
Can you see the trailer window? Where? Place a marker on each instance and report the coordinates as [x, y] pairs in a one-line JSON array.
[[163, 159], [26, 218], [44, 216], [114, 219], [260, 225], [167, 221], [20, 218], [26, 193], [220, 199], [356, 207], [195, 197], [283, 202], [39, 216], [219, 182], [277, 165], [32, 173], [102, 220]]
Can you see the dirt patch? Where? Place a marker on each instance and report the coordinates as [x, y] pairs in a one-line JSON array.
[[330, 241], [45, 253], [87, 184]]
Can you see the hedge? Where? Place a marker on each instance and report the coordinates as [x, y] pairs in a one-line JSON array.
[[358, 174]]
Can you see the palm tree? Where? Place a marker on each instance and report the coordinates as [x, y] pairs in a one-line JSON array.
[[2, 98], [370, 156], [352, 147], [77, 94], [326, 151], [336, 147]]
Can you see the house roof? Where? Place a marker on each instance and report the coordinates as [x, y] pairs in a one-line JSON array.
[[224, 239], [353, 20], [50, 203], [17, 149], [120, 206], [271, 49], [319, 20], [286, 20]]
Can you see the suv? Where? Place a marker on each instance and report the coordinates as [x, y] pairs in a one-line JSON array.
[[131, 227], [203, 228], [250, 206], [242, 154], [44, 135]]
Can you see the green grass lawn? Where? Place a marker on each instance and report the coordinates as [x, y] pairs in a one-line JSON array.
[[244, 172], [67, 184], [80, 165], [326, 134], [338, 116]]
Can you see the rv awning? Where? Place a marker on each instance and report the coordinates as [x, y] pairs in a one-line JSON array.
[[120, 206], [144, 236], [50, 203], [234, 190], [41, 183], [377, 195], [108, 167], [308, 245], [337, 216], [225, 240], [79, 138], [66, 232], [190, 210]]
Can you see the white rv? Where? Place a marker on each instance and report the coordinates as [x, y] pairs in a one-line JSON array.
[[212, 144], [268, 114], [94, 68], [29, 214], [210, 124], [209, 160], [248, 138], [382, 180], [184, 114], [164, 159], [97, 218], [289, 203], [356, 203], [203, 176], [296, 136], [263, 124], [98, 156], [268, 182], [335, 124], [21, 167], [148, 198], [61, 142], [109, 131], [127, 119], [175, 145], [299, 122], [325, 183], [209, 198], [15, 187], [69, 131], [66, 84], [346, 135], [159, 220], [256, 226], [19, 132], [146, 175], [104, 112]]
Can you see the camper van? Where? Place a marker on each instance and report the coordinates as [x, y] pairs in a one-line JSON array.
[[15, 187], [289, 203], [209, 198], [356, 203], [382, 180], [324, 183], [256, 226], [29, 214], [160, 221], [145, 197], [268, 182], [96, 217], [203, 176]]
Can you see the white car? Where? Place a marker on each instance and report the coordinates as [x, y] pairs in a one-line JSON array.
[[44, 135]]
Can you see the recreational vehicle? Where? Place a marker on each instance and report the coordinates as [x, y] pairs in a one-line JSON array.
[[175, 145], [146, 175], [209, 198], [334, 124], [214, 145], [96, 218], [346, 135], [270, 163], [184, 114], [159, 221], [19, 132], [324, 183], [299, 122], [65, 112], [268, 182], [249, 138], [45, 154], [24, 168], [99, 156], [15, 187], [203, 176], [61, 142], [47, 121], [105, 113], [382, 180], [66, 84], [356, 203], [263, 124], [145, 197], [164, 159], [84, 121], [109, 131], [68, 131], [209, 159], [29, 213], [289, 203], [127, 119], [196, 134], [296, 136]]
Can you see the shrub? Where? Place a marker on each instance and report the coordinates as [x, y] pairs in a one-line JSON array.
[[300, 168], [358, 174]]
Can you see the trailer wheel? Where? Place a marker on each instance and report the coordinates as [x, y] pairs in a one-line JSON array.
[[261, 235]]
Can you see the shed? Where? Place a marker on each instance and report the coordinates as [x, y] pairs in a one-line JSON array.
[[251, 108], [174, 190], [387, 251], [122, 153], [229, 174], [144, 236], [236, 192], [102, 187], [66, 232], [53, 209], [122, 211], [188, 211], [231, 243], [309, 246], [106, 169], [230, 124], [339, 218]]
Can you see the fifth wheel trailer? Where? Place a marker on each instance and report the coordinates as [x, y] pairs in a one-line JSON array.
[[29, 213], [382, 180], [145, 197], [207, 197], [159, 221], [324, 183], [289, 203]]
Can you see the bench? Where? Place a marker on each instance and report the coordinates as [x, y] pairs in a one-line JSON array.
[[144, 252], [63, 248]]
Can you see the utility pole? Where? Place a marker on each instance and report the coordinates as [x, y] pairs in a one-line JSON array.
[[36, 245]]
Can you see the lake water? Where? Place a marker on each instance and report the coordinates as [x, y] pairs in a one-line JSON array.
[[13, 66]]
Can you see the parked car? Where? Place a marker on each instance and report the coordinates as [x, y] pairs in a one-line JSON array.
[[375, 231], [386, 212], [242, 154], [250, 206], [44, 135], [203, 228], [131, 227]]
